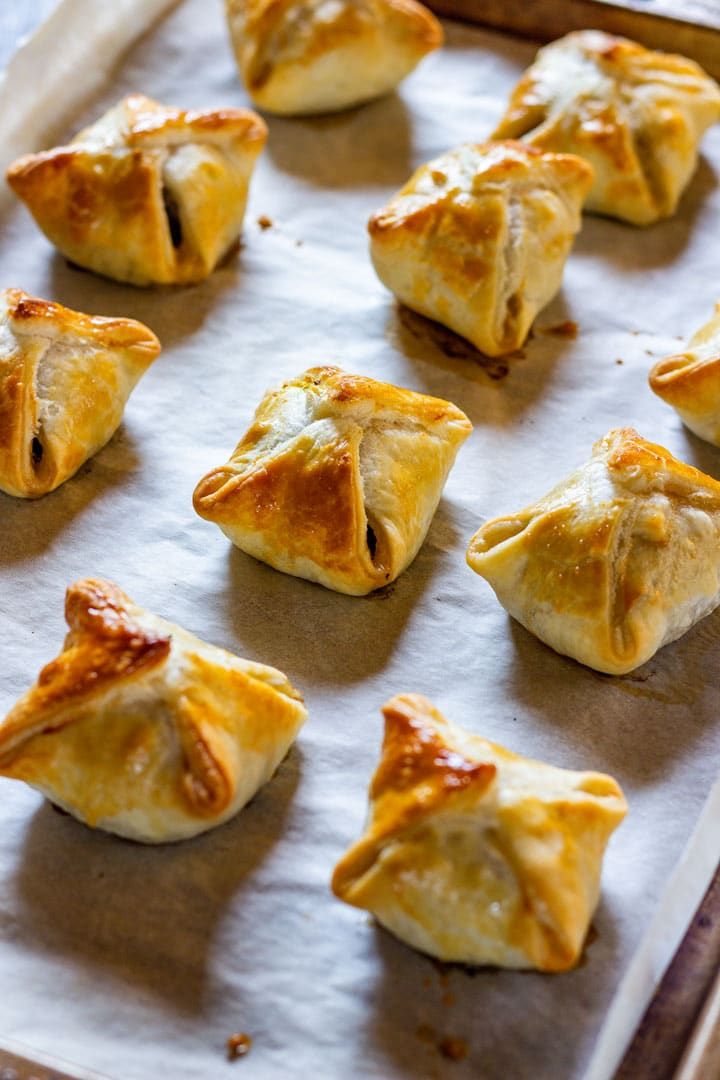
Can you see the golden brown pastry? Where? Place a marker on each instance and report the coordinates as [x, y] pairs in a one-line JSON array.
[[478, 238], [616, 561], [474, 854], [143, 730], [299, 57], [638, 116], [690, 381], [337, 478], [64, 381], [148, 194]]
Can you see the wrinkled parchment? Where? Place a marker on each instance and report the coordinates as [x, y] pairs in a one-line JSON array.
[[141, 962]]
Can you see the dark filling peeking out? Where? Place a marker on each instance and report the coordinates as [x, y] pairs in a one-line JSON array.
[[36, 451], [371, 541], [173, 218]]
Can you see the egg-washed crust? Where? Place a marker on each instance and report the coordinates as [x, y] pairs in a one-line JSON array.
[[690, 380], [293, 62], [91, 363], [32, 315], [105, 644], [417, 775], [297, 495], [636, 114], [598, 568], [113, 201], [140, 728], [434, 778], [477, 238]]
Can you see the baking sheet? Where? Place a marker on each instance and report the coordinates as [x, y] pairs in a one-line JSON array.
[[141, 962]]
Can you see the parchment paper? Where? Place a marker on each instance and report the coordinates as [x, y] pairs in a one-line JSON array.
[[141, 962]]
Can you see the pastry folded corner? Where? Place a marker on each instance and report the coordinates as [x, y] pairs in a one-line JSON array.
[[690, 381]]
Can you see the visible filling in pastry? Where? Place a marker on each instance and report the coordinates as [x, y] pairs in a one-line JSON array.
[[173, 218], [36, 451], [371, 541]]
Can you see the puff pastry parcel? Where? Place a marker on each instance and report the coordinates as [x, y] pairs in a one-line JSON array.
[[616, 561], [475, 854], [312, 56], [638, 116], [690, 381], [337, 479], [143, 730], [148, 194], [64, 381], [478, 238]]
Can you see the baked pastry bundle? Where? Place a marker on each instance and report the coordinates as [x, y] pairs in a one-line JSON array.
[[299, 57], [64, 380], [637, 115], [616, 561], [148, 194], [690, 381], [474, 854], [337, 479], [143, 730], [478, 238]]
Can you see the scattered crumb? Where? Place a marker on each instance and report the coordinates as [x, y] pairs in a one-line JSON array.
[[448, 999], [238, 1046], [619, 361], [265, 222], [453, 1049], [442, 967], [649, 352], [427, 982], [299, 243], [567, 329], [450, 1047]]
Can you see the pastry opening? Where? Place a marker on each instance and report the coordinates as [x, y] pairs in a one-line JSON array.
[[512, 315], [599, 785], [172, 214], [652, 173], [372, 542], [37, 451], [496, 532], [667, 370]]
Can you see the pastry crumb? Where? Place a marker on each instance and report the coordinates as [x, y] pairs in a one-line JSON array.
[[619, 361], [238, 1046], [265, 222], [299, 243], [453, 1049], [567, 329]]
